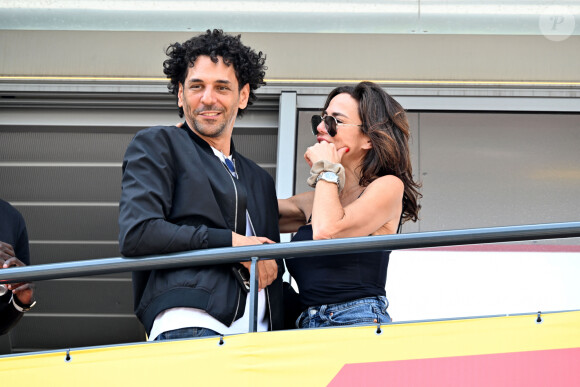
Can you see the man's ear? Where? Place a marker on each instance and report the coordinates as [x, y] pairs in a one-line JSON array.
[[244, 96], [180, 95]]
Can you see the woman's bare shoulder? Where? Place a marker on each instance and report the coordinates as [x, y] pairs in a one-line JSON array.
[[385, 188]]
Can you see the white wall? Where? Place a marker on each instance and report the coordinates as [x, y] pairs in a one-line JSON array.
[[424, 285]]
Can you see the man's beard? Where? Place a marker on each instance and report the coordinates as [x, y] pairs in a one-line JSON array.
[[209, 130], [217, 132], [205, 129]]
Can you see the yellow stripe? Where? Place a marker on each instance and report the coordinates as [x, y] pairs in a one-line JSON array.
[[420, 82], [299, 357], [106, 79], [300, 81]]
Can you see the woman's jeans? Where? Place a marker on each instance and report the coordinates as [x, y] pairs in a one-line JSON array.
[[184, 333], [364, 311]]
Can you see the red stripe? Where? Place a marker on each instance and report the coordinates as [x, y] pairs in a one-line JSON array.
[[558, 367], [508, 248]]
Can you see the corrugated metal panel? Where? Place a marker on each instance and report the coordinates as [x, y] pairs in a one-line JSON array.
[[60, 165]]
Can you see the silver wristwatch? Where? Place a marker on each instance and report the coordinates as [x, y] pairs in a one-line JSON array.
[[330, 177]]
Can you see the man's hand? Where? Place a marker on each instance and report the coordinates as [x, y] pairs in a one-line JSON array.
[[23, 291], [240, 240], [267, 269], [267, 272]]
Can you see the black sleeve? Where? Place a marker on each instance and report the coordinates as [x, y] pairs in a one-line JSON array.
[[147, 190], [21, 247], [9, 316]]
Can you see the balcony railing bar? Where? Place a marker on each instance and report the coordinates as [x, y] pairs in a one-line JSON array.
[[290, 250]]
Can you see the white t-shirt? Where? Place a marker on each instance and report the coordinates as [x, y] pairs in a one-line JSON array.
[[177, 318]]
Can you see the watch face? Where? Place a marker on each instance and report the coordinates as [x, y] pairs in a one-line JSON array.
[[330, 177]]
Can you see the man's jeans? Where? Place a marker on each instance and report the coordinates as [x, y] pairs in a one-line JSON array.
[[364, 311], [186, 333]]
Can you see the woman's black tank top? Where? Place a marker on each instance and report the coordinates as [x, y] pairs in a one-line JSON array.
[[331, 279]]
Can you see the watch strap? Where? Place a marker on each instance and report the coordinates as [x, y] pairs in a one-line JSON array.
[[20, 306], [326, 166]]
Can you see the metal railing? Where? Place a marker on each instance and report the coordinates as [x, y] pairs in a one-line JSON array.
[[289, 251]]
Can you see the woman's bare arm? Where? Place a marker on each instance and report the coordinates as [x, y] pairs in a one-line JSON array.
[[295, 211], [377, 211]]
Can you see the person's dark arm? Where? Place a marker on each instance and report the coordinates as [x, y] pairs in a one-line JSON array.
[[9, 315], [21, 246]]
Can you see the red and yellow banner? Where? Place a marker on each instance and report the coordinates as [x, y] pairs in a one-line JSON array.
[[499, 351]]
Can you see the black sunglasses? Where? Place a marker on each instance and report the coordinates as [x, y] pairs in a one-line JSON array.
[[330, 123]]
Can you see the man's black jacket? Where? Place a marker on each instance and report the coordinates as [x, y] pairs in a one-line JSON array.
[[178, 196]]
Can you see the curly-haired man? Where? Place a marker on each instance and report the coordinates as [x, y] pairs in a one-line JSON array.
[[186, 188]]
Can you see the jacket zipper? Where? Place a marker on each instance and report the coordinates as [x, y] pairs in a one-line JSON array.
[[236, 194], [237, 306], [270, 323], [235, 230], [236, 190]]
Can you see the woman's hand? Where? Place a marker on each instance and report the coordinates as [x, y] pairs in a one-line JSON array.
[[324, 151]]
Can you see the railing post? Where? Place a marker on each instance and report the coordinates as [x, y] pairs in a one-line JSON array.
[[254, 295]]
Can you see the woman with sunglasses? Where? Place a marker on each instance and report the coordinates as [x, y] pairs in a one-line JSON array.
[[363, 185]]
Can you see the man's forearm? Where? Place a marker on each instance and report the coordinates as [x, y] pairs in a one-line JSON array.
[[162, 237]]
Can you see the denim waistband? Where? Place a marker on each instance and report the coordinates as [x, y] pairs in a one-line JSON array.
[[348, 304], [326, 312]]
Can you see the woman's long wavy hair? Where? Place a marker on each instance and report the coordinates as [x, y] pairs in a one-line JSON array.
[[385, 122]]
